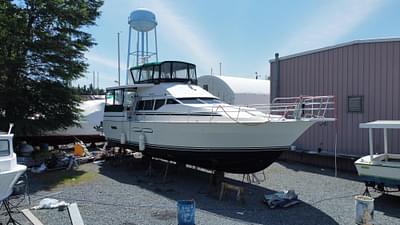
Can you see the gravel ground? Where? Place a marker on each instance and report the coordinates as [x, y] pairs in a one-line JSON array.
[[123, 194]]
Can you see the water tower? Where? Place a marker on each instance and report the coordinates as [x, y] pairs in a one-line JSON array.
[[143, 21]]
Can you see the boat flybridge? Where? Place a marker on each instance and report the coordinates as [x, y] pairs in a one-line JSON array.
[[10, 171], [164, 114], [380, 170]]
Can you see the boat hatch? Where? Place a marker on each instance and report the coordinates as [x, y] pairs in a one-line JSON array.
[[167, 71]]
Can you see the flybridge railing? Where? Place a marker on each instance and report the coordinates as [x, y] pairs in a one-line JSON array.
[[287, 108]]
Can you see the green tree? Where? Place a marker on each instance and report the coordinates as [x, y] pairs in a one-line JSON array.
[[42, 45]]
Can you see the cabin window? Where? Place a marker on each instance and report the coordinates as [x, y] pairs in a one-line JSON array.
[[159, 103], [211, 100], [171, 101], [205, 87], [166, 71], [135, 75], [129, 97], [148, 104], [4, 148], [179, 71], [146, 73], [190, 101], [140, 105], [192, 73], [110, 98], [118, 97], [156, 73]]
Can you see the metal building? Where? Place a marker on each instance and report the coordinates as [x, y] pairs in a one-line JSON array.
[[364, 75]]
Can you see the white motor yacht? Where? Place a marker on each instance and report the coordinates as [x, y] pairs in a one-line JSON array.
[[380, 170], [164, 114], [10, 171]]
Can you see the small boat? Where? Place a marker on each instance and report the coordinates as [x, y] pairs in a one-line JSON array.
[[380, 170], [10, 171], [165, 114]]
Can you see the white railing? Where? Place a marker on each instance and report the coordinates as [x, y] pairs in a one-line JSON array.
[[286, 108]]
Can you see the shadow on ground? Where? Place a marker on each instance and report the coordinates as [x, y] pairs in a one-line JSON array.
[[319, 170], [186, 183], [388, 204]]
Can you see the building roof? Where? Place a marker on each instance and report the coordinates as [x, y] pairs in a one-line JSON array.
[[364, 41], [241, 85], [390, 124]]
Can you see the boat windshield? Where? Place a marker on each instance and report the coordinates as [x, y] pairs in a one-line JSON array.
[[168, 71], [4, 148], [200, 101]]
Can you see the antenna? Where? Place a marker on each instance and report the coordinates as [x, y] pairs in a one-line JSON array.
[[11, 127], [142, 21]]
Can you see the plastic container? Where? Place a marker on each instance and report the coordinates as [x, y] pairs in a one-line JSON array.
[[186, 212], [364, 209]]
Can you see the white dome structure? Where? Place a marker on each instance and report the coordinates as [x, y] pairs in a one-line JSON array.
[[237, 90]]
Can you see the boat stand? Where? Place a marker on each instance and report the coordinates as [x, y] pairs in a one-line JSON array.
[[11, 219]]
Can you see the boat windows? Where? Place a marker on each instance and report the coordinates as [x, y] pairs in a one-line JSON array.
[[165, 71], [129, 97], [190, 101], [118, 97], [179, 71], [211, 100], [140, 105], [156, 73], [4, 148], [110, 97], [200, 100], [168, 71], [148, 104], [146, 74], [114, 100], [159, 103], [171, 101]]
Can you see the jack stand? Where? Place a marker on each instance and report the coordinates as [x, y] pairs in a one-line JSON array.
[[148, 173], [11, 220], [366, 192], [166, 173]]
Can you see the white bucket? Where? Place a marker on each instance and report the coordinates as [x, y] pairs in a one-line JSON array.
[[364, 209]]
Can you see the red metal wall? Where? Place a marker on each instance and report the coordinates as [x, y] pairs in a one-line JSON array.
[[370, 69]]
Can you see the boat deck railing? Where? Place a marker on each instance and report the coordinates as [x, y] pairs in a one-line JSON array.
[[319, 107]]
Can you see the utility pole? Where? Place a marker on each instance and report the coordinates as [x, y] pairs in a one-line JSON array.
[[98, 86], [94, 82], [220, 68], [119, 64]]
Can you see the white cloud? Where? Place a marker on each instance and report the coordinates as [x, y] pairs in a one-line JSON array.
[[183, 34], [329, 24], [104, 61]]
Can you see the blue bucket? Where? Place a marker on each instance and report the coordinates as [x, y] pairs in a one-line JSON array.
[[186, 212]]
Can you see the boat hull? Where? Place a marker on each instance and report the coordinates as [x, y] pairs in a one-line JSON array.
[[8, 179], [236, 161], [229, 147], [378, 172]]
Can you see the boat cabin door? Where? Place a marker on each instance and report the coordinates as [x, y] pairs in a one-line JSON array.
[[130, 99]]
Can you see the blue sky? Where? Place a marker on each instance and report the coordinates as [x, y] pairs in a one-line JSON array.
[[241, 34]]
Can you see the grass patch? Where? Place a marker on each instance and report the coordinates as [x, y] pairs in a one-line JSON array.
[[62, 178]]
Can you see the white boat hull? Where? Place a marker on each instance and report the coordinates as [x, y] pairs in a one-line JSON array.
[[378, 171], [227, 146], [8, 179]]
